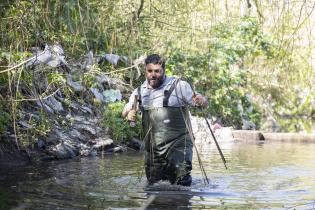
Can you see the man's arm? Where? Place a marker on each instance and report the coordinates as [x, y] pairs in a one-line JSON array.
[[191, 97], [128, 111]]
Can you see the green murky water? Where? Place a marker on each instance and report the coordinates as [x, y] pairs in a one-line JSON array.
[[259, 176]]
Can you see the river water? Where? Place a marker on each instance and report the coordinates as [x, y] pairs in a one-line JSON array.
[[261, 175]]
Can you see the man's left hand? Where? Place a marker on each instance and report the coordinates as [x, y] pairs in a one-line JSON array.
[[200, 101]]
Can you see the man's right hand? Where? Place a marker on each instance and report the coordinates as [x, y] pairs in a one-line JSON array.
[[132, 115]]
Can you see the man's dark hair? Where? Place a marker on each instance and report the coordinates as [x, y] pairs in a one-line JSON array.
[[155, 59]]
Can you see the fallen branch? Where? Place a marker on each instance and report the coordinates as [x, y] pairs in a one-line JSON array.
[[35, 99]]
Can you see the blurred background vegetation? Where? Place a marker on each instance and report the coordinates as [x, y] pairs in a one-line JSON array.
[[252, 59]]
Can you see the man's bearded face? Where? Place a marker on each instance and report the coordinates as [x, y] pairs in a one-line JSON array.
[[154, 74]]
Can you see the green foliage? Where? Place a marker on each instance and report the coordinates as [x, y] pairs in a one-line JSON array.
[[219, 73], [78, 25], [90, 80], [298, 111], [56, 78], [227, 59], [39, 128], [119, 128]]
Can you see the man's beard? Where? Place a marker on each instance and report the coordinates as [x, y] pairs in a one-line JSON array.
[[155, 82]]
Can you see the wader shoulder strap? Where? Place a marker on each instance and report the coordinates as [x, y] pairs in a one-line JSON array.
[[167, 93]]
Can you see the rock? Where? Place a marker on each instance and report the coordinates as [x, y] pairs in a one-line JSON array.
[[84, 120], [57, 136], [91, 129], [102, 144], [54, 104], [225, 134], [74, 85], [98, 130], [86, 109], [80, 119], [290, 137], [64, 151], [112, 95], [74, 105], [47, 158], [52, 56], [34, 115], [136, 144], [93, 153], [102, 78], [116, 83], [247, 135], [200, 130], [89, 152], [43, 105], [85, 150], [41, 144], [99, 96], [112, 58], [88, 61], [59, 96], [25, 125], [76, 134], [124, 59], [118, 149]]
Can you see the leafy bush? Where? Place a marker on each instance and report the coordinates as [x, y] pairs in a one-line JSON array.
[[119, 128], [220, 74]]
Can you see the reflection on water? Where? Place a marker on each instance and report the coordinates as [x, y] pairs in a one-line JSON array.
[[168, 202], [259, 176]]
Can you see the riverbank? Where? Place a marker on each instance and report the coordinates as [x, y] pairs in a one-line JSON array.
[[62, 115], [67, 112], [10, 156], [247, 135]]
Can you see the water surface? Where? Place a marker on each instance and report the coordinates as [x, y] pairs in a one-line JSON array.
[[259, 176]]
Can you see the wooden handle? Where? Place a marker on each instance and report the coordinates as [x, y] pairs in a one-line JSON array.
[[134, 107]]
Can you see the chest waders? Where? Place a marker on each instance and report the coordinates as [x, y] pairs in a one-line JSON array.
[[168, 146]]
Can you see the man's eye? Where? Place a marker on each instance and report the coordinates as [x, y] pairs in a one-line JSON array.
[[157, 71], [150, 71]]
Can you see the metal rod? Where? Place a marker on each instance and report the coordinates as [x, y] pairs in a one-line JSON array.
[[214, 138], [189, 128], [216, 142]]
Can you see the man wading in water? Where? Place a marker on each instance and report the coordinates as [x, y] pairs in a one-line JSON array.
[[163, 102]]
